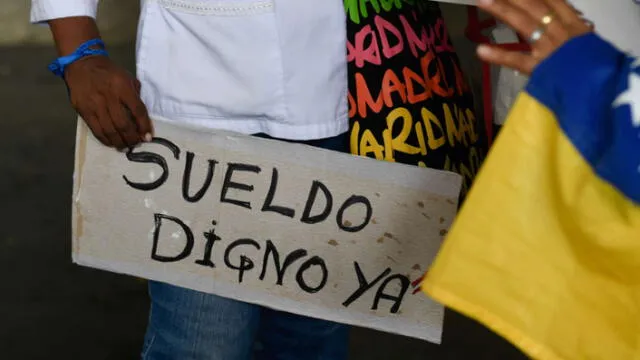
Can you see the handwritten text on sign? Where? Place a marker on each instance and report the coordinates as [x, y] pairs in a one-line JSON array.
[[287, 226]]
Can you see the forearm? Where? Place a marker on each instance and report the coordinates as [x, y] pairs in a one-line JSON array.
[[71, 21], [69, 33]]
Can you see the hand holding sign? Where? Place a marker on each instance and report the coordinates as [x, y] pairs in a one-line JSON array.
[[104, 94], [108, 98]]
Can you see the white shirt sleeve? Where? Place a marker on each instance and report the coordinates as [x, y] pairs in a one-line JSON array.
[[44, 10]]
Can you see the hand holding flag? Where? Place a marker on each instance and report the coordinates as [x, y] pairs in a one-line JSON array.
[[546, 248]]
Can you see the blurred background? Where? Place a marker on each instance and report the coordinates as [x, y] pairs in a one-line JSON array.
[[50, 308]]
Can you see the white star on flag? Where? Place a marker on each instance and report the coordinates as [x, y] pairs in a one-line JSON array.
[[631, 97]]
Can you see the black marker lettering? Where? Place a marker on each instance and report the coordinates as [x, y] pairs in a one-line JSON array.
[[290, 259], [306, 266], [211, 239], [152, 158], [363, 285], [313, 193], [271, 194], [397, 299], [234, 185], [353, 200], [245, 262], [186, 179], [188, 247]]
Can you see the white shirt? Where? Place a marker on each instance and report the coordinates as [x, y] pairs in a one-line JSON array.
[[271, 66]]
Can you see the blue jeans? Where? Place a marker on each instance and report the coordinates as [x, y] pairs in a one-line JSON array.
[[190, 325]]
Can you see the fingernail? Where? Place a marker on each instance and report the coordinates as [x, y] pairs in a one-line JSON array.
[[485, 2], [148, 137], [483, 50]]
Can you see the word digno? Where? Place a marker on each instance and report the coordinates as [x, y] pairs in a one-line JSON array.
[[288, 226]]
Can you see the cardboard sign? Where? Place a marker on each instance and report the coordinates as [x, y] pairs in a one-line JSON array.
[[287, 226]]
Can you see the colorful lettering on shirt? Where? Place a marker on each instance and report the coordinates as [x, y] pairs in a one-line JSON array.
[[408, 99]]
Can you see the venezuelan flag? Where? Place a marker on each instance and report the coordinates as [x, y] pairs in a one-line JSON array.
[[546, 248]]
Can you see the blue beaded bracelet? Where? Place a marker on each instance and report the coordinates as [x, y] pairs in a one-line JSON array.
[[58, 66]]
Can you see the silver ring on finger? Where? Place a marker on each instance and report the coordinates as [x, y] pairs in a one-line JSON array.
[[536, 35]]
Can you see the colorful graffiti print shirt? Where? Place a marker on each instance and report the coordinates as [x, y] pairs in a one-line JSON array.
[[408, 98]]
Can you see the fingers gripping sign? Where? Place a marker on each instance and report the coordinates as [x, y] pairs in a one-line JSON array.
[[547, 24], [108, 99]]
